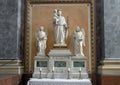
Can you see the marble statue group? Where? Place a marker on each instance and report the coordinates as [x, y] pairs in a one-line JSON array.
[[60, 35], [60, 62]]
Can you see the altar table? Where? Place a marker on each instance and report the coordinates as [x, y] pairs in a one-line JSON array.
[[34, 81]]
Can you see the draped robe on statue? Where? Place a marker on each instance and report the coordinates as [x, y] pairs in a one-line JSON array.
[[42, 37], [79, 41], [61, 30]]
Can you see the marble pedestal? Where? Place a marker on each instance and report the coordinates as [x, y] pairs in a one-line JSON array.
[[41, 61], [79, 63], [60, 61], [60, 64]]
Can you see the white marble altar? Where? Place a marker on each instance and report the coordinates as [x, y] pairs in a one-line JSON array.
[[59, 82]]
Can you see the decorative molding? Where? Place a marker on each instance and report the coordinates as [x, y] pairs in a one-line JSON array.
[[11, 67], [109, 67], [27, 36], [60, 1]]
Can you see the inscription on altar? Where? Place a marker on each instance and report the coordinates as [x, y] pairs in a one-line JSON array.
[[78, 64], [60, 63], [41, 64]]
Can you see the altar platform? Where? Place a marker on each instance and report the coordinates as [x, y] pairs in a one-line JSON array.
[[35, 81]]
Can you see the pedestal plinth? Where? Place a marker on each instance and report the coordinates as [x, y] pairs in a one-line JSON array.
[[60, 60], [60, 46], [40, 62], [79, 64]]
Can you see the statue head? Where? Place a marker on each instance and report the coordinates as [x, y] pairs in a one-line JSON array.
[[59, 12], [78, 29], [41, 28], [55, 10]]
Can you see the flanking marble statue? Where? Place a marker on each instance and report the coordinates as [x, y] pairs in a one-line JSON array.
[[79, 41], [60, 28], [41, 38]]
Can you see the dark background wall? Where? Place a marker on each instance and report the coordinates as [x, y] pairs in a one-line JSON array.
[[10, 29], [99, 30], [112, 28], [107, 17]]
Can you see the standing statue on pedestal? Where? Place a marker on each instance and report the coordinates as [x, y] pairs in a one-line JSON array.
[[55, 20], [79, 41], [60, 28], [41, 41]]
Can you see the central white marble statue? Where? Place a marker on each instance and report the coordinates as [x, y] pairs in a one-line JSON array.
[[41, 41], [79, 41], [60, 28]]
